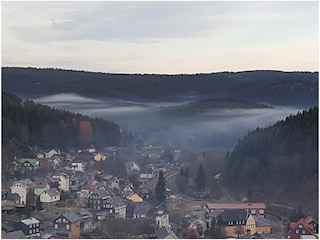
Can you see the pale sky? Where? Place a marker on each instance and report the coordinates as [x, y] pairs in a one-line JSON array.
[[161, 37]]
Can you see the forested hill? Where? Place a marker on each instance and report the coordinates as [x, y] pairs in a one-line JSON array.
[[273, 87], [285, 153], [27, 123]]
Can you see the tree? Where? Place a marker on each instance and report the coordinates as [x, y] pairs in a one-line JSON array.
[[201, 178], [217, 232], [239, 231], [39, 205], [161, 189]]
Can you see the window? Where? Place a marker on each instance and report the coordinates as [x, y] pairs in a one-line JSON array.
[[303, 231], [30, 231], [300, 226], [297, 231], [67, 226], [64, 220], [30, 226], [38, 224], [56, 226], [59, 220]]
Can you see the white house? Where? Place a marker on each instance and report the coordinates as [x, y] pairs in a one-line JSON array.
[[77, 165], [51, 153], [162, 219], [118, 206], [22, 187], [64, 184], [50, 196]]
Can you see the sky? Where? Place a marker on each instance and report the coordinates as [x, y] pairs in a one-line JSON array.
[[162, 37]]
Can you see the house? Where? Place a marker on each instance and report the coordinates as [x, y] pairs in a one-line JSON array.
[[313, 223], [50, 196], [303, 228], [162, 219], [77, 179], [141, 209], [99, 157], [99, 199], [135, 198], [237, 222], [117, 206], [198, 225], [51, 153], [165, 233], [9, 199], [68, 225], [263, 225], [40, 186], [13, 235], [64, 181], [91, 149], [22, 187], [29, 163], [127, 191], [257, 209], [146, 174], [30, 227], [72, 223], [78, 165]]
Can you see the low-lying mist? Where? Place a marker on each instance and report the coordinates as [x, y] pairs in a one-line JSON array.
[[212, 128]]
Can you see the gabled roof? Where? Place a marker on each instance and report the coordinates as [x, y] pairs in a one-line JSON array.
[[13, 235], [164, 233], [26, 183], [102, 193], [29, 221], [307, 226], [309, 219], [52, 192], [33, 161], [234, 215], [72, 216], [117, 202], [142, 208], [262, 222], [135, 198]]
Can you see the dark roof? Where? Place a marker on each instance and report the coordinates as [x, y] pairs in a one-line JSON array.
[[234, 215], [142, 208], [117, 202], [162, 233], [72, 216], [13, 235], [53, 192], [102, 193]]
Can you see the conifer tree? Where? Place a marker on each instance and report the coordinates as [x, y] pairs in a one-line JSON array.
[[161, 189]]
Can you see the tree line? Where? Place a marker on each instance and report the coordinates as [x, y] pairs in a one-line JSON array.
[[286, 152]]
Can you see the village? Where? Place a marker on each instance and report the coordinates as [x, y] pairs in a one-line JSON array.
[[69, 195]]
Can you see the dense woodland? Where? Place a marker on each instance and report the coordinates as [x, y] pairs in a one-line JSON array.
[[273, 87], [285, 153], [27, 123]]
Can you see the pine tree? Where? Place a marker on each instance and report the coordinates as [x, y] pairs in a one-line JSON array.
[[161, 189], [200, 179]]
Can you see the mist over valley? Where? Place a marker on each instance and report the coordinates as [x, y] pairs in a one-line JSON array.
[[212, 127]]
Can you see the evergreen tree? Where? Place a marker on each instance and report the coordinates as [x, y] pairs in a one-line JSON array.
[[201, 178], [39, 205], [161, 189]]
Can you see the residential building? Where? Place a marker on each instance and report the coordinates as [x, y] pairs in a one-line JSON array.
[[303, 228], [263, 225], [165, 233], [29, 163], [50, 196], [141, 209], [98, 200], [72, 223], [117, 206], [22, 188], [64, 181], [9, 199], [30, 227], [237, 222]]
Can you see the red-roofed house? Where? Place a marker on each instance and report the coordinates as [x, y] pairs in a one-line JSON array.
[[302, 227]]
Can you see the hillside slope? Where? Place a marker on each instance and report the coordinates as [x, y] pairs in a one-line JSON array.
[[273, 87], [28, 123], [278, 163]]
